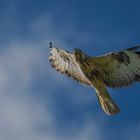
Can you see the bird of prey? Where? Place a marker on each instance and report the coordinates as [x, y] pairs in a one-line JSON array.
[[115, 69]]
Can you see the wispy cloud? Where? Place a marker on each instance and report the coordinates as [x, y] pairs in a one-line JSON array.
[[27, 113], [23, 116]]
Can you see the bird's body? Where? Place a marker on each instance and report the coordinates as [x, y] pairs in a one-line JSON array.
[[111, 70]]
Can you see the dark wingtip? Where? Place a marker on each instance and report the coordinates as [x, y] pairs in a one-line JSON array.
[[133, 48], [50, 44]]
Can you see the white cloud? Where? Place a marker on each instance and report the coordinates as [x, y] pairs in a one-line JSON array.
[[19, 118], [24, 116], [18, 66]]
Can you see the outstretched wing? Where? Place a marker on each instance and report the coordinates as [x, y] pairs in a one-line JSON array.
[[121, 68], [64, 62]]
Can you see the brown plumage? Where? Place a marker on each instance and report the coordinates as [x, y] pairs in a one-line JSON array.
[[111, 70]]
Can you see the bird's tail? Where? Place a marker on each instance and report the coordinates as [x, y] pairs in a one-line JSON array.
[[108, 104]]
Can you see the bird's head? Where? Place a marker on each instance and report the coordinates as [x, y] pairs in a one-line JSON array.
[[79, 55]]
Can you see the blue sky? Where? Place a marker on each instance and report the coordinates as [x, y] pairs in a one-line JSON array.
[[36, 102]]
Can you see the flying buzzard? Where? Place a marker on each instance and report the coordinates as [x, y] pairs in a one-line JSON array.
[[111, 70]]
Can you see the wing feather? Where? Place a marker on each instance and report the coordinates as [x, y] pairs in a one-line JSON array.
[[65, 63], [121, 68]]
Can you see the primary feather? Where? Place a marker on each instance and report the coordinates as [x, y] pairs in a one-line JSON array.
[[64, 62]]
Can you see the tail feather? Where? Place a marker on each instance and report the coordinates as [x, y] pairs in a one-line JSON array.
[[108, 105]]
